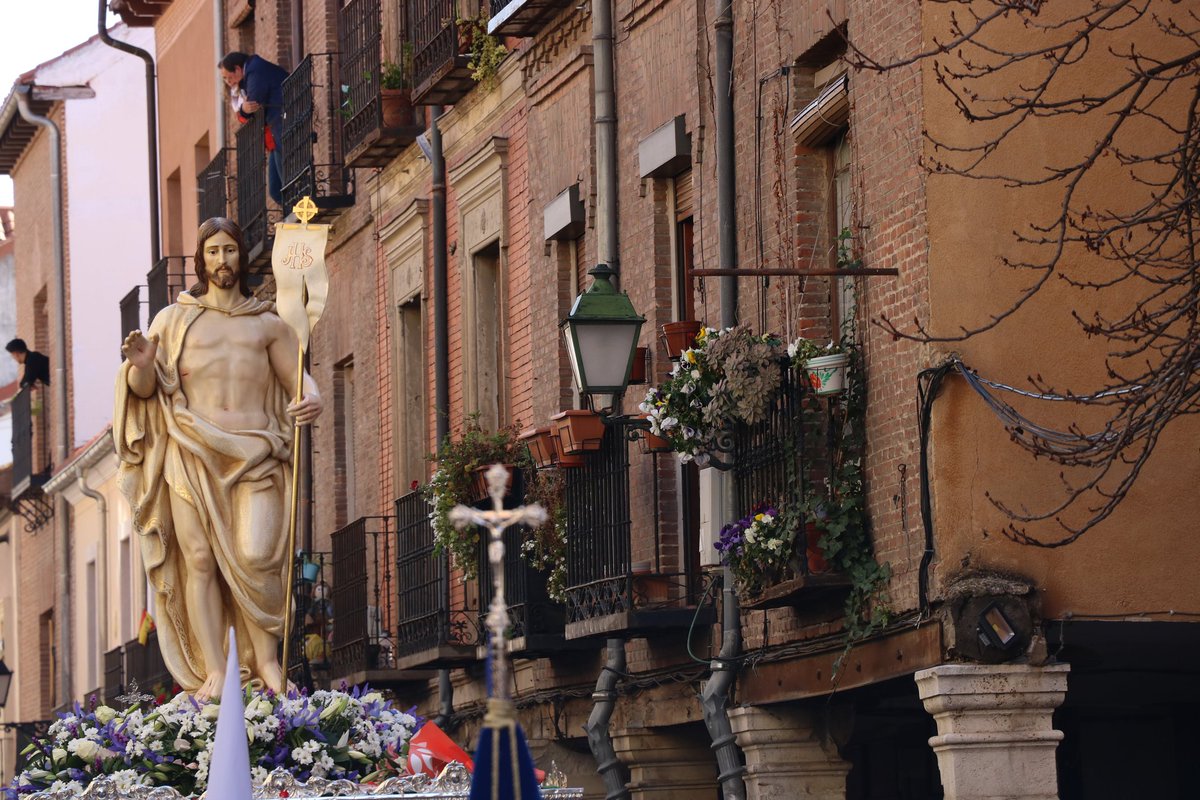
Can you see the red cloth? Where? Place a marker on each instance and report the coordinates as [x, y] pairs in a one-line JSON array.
[[430, 750]]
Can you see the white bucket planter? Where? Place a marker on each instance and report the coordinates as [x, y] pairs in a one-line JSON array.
[[827, 374]]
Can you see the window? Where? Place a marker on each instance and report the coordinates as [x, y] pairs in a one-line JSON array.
[[843, 204], [685, 303], [485, 336], [126, 580], [410, 391], [343, 457]]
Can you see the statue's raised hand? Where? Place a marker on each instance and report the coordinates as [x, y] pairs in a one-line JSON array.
[[140, 350]]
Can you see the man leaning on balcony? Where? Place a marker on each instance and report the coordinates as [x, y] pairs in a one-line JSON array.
[[257, 84]]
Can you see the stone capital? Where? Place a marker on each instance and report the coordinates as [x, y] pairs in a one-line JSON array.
[[787, 754]]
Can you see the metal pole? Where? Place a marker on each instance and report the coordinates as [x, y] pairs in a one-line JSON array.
[[151, 124], [62, 603], [607, 238]]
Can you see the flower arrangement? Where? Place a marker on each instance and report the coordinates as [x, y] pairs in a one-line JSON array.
[[329, 734], [458, 460], [757, 547], [729, 376]]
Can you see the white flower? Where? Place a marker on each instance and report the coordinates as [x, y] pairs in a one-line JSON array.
[[182, 745], [84, 748], [210, 711], [105, 715], [696, 374], [58, 755]]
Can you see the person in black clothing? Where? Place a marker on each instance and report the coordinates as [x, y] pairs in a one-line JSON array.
[[37, 365]]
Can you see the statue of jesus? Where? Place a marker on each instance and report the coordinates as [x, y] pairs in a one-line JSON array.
[[203, 428]]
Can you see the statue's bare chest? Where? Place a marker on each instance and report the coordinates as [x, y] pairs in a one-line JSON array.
[[220, 346]]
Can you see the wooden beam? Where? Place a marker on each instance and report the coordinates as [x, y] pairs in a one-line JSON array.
[[816, 273], [893, 656]]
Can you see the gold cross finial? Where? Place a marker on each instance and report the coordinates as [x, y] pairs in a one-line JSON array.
[[305, 210]]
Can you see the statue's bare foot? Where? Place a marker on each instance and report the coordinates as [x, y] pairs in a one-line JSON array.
[[272, 676], [211, 688]]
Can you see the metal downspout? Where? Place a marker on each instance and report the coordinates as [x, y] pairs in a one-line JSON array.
[[604, 699], [441, 344], [151, 124], [62, 534], [715, 699], [221, 91], [101, 560], [607, 240]]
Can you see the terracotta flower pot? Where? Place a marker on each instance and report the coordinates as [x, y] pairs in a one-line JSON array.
[[653, 443], [578, 431], [641, 361], [479, 486], [812, 550], [679, 336], [397, 108], [543, 446]]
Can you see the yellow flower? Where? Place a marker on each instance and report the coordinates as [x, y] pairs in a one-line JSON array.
[[758, 517], [689, 356]]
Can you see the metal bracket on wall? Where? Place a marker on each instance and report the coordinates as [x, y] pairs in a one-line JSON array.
[[34, 507]]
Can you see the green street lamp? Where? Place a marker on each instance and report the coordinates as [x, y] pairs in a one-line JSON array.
[[602, 335]]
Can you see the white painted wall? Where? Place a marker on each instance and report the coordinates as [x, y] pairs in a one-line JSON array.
[[108, 233]]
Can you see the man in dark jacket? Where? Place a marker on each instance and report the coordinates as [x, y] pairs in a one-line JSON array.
[[37, 365], [257, 86]]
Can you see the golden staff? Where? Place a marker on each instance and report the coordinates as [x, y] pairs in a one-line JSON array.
[[301, 287]]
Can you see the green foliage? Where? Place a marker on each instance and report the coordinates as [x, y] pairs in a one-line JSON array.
[[398, 74], [458, 460], [546, 547], [486, 52], [839, 507]]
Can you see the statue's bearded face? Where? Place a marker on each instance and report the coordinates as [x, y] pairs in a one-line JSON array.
[[221, 260]]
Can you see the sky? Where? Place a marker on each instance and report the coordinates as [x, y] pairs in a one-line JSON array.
[[33, 32]]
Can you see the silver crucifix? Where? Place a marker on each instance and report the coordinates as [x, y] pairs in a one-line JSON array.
[[496, 521]]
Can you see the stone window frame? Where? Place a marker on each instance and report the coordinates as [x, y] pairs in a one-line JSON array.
[[480, 184], [405, 243]]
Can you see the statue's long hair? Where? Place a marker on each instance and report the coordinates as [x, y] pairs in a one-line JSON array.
[[208, 229]]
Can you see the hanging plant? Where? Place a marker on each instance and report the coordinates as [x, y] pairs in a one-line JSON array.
[[485, 52], [452, 484], [729, 376], [546, 546]]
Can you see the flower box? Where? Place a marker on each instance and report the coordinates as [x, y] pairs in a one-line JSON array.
[[827, 374], [543, 446], [479, 486], [578, 431], [640, 367], [679, 336]]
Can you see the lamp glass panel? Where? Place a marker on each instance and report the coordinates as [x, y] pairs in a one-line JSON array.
[[605, 353], [571, 356], [998, 623], [5, 684]]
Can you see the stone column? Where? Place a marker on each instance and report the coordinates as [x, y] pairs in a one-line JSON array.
[[996, 739], [666, 766], [787, 755]]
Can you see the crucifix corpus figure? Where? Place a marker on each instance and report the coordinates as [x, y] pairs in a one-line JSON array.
[[203, 428]]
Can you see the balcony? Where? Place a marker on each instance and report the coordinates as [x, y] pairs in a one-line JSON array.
[[131, 312], [114, 676], [608, 591], [536, 622], [30, 457], [212, 186], [362, 581], [438, 621], [793, 441], [311, 160], [440, 72], [165, 280], [522, 17], [377, 124], [143, 664], [312, 608], [252, 190]]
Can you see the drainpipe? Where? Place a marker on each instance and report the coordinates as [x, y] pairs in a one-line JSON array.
[[101, 558], [606, 134], [62, 534], [441, 343], [715, 699], [151, 124], [604, 701], [222, 92]]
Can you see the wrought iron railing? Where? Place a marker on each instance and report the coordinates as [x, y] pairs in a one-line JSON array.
[[165, 280], [369, 134], [252, 181], [22, 440], [114, 676], [776, 460], [212, 187], [144, 664], [362, 584], [534, 619], [427, 617], [310, 147], [440, 74], [312, 612], [131, 312]]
